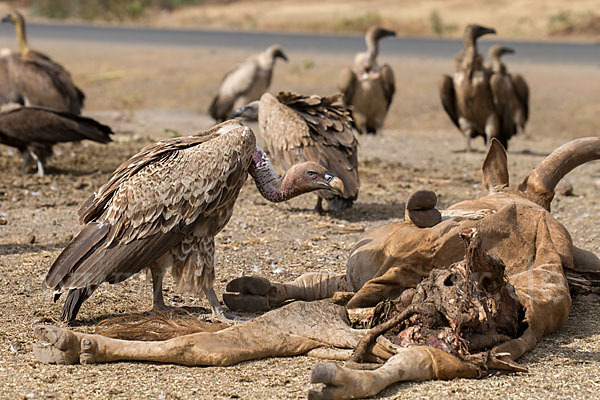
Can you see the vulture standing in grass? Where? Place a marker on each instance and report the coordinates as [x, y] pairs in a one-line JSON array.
[[298, 128], [245, 83], [33, 130], [36, 77], [162, 208], [467, 96], [368, 87], [511, 93]]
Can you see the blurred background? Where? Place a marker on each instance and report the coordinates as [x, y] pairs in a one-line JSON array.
[[532, 19]]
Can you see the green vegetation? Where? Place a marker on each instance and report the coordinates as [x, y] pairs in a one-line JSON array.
[[104, 9], [437, 24]]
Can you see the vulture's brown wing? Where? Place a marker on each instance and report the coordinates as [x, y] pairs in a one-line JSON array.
[[501, 96], [152, 201], [522, 91], [45, 83], [347, 84], [8, 92], [317, 129], [43, 125], [448, 98], [389, 84], [235, 83]]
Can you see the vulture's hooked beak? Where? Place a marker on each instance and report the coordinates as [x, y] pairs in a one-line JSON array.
[[280, 54], [248, 112], [334, 183]]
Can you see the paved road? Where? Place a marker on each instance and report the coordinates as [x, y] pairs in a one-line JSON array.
[[537, 52]]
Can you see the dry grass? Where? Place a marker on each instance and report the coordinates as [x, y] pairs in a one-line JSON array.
[[512, 18]]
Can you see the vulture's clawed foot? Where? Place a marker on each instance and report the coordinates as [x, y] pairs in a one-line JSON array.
[[250, 294], [62, 346], [331, 381]]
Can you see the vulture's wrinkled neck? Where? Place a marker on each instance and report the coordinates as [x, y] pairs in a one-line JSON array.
[[269, 184]]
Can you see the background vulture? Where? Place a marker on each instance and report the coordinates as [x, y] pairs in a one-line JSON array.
[[511, 93], [162, 208], [33, 130], [298, 128], [467, 96], [245, 83], [368, 87], [36, 77]]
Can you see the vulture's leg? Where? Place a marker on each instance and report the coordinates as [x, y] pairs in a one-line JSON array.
[[252, 293], [215, 306], [409, 364], [319, 205], [40, 166], [26, 161], [158, 301]]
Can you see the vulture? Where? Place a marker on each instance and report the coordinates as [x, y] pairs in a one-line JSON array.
[[162, 208], [36, 77], [368, 87], [467, 96], [511, 93], [300, 128], [33, 130], [245, 83]]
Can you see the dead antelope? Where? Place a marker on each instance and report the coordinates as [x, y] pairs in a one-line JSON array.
[[514, 226]]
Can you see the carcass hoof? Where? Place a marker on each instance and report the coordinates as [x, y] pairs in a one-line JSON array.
[[246, 302], [251, 294], [59, 346], [249, 285], [420, 209], [324, 378]]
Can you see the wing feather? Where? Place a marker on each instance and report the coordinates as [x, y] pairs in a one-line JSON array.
[[347, 84], [389, 84], [448, 98], [235, 83], [320, 129], [130, 222], [43, 125], [522, 91]]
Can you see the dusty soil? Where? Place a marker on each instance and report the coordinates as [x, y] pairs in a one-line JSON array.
[[148, 93]]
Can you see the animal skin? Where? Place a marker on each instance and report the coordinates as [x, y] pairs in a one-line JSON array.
[[515, 227]]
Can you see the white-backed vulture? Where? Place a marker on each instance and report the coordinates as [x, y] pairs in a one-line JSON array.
[[245, 83], [367, 86], [34, 130], [37, 78], [511, 93], [300, 128], [162, 208], [467, 96]]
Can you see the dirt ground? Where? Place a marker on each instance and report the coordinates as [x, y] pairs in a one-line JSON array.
[[148, 93]]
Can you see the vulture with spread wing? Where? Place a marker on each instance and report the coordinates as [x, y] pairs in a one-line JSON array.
[[34, 130], [367, 86], [511, 93], [300, 128], [36, 77], [245, 83], [467, 96], [162, 208]]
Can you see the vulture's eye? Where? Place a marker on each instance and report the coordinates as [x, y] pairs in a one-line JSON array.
[[312, 174]]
